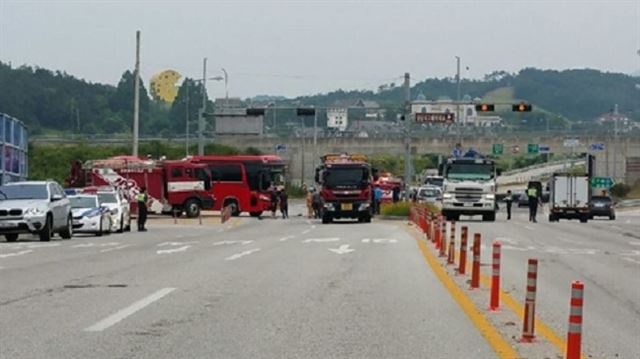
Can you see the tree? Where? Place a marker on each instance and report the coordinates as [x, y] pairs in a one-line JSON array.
[[121, 102], [178, 113]]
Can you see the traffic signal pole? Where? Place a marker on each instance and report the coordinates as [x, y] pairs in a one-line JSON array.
[[407, 135]]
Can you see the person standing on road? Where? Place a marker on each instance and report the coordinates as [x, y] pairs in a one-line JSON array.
[[396, 194], [309, 202], [284, 203], [533, 196], [142, 198], [508, 200], [377, 197], [317, 204], [274, 201]]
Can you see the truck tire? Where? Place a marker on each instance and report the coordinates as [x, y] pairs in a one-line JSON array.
[[47, 231], [584, 219], [192, 207], [366, 218], [67, 232], [326, 219], [553, 218], [255, 214], [489, 217], [11, 237], [612, 217]]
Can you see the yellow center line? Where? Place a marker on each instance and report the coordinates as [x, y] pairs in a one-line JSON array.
[[501, 346]]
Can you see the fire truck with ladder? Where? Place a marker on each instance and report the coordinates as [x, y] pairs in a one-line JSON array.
[[346, 187], [172, 186]]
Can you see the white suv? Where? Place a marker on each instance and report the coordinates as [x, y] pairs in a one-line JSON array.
[[37, 207]]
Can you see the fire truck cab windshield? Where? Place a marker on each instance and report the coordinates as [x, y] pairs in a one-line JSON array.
[[337, 176]]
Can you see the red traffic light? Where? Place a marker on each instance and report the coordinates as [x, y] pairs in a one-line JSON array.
[[521, 107], [485, 107]]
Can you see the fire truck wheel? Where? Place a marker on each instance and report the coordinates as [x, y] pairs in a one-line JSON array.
[[192, 208], [255, 214]]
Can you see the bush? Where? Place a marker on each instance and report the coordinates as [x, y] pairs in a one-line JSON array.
[[620, 190], [401, 209]]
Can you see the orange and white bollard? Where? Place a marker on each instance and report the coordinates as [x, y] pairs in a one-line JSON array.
[[528, 326], [443, 240], [475, 268], [574, 334], [494, 301], [462, 267], [452, 244], [438, 232]]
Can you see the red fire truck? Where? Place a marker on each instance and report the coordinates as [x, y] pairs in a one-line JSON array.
[[243, 182], [346, 190], [172, 186]]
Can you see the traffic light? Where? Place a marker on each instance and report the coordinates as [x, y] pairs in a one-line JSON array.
[[521, 107], [255, 112], [306, 111], [485, 107]]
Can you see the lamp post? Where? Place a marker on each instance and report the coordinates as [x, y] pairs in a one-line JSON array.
[[203, 108]]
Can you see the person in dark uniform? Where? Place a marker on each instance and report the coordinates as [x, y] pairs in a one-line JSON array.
[[142, 198], [284, 204], [396, 194], [508, 200], [533, 196]]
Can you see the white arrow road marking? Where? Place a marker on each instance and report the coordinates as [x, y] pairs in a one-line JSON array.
[[114, 248], [366, 240], [572, 241], [634, 243], [530, 228], [176, 243], [342, 249], [232, 242], [89, 245], [631, 253], [130, 310], [321, 240], [306, 231], [284, 239], [173, 250], [313, 226], [513, 248], [15, 254], [241, 254]]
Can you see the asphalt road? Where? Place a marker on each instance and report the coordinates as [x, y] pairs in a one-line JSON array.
[[299, 289], [603, 254]]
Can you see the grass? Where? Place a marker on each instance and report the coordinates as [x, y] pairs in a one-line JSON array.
[[401, 209]]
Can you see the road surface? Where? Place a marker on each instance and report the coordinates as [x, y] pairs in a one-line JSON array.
[[299, 289]]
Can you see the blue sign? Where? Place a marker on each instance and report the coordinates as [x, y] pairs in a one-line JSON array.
[[596, 147], [457, 152], [544, 149], [281, 147]]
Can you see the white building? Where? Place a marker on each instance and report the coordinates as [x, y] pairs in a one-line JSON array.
[[337, 118]]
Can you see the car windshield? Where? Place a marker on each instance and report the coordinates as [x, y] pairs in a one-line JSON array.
[[24, 191], [469, 171], [434, 181], [350, 176], [428, 192], [84, 201], [107, 198]]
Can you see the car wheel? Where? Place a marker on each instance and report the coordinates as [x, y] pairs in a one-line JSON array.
[[121, 229], [128, 227], [11, 237], [99, 232], [67, 233], [47, 231], [192, 208], [612, 217]]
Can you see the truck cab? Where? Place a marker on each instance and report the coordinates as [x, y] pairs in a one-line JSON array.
[[469, 188], [346, 187]]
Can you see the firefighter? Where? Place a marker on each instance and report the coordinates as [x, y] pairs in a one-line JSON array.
[[533, 196], [508, 200], [142, 198], [284, 203], [377, 198]]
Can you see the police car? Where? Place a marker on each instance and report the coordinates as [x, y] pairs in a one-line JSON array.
[[89, 216]]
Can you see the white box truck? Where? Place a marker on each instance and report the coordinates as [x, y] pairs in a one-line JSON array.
[[569, 197]]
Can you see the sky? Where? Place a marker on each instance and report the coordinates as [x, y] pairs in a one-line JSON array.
[[294, 48]]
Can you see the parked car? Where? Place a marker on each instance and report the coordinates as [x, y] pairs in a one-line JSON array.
[[429, 194], [117, 204], [601, 206], [89, 216], [37, 207]]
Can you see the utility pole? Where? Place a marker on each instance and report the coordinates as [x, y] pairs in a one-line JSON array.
[[407, 135], [302, 118], [187, 118], [136, 97], [458, 119], [203, 109], [315, 139]]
